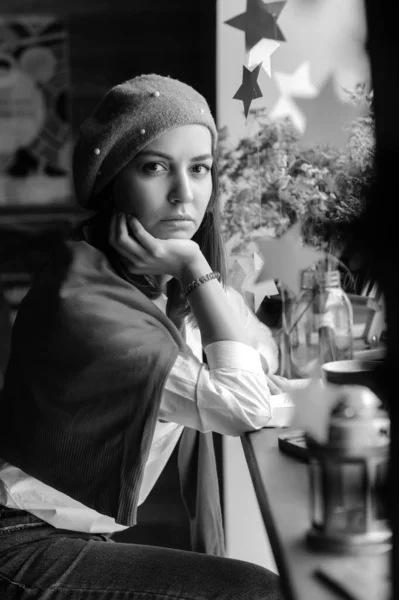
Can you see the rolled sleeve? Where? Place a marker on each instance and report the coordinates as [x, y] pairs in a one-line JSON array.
[[230, 396], [233, 355]]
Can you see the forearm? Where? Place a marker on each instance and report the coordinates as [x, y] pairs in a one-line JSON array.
[[228, 396], [216, 318]]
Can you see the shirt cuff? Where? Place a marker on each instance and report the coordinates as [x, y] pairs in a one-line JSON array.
[[233, 355], [282, 411]]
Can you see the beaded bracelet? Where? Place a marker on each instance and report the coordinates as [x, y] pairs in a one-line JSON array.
[[197, 282]]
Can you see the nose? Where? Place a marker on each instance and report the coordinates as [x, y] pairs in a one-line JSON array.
[[181, 190]]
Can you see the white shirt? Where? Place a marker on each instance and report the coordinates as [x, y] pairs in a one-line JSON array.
[[230, 396]]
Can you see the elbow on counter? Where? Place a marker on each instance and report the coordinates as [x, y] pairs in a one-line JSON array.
[[253, 421]]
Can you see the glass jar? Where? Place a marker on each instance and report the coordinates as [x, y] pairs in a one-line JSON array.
[[333, 316], [321, 323], [304, 352]]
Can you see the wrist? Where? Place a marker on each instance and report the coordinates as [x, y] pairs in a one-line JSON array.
[[193, 268]]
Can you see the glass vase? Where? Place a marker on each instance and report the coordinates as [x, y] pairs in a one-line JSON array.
[[320, 323]]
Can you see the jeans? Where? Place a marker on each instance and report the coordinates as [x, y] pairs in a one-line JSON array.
[[38, 561]]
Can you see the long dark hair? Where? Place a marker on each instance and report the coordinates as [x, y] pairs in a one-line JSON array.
[[208, 237]]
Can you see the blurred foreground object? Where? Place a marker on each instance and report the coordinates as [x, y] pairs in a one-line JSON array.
[[348, 476]]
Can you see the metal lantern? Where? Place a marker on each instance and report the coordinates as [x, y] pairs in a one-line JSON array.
[[347, 477]]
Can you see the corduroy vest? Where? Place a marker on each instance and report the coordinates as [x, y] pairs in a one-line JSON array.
[[90, 355]]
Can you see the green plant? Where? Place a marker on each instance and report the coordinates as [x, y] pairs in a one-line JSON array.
[[268, 182]]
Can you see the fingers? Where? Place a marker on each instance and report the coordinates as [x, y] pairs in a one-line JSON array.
[[124, 243], [143, 236], [143, 252], [273, 388]]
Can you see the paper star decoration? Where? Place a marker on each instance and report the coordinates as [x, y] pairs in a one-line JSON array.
[[261, 53], [284, 258], [249, 89], [259, 290], [326, 117], [242, 274], [296, 84], [274, 8], [313, 30], [236, 276], [285, 107], [258, 22]]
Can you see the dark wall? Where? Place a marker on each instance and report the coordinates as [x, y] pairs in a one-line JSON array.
[[170, 38], [114, 40]]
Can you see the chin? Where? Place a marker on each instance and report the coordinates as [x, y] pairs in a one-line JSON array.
[[173, 233], [176, 235]]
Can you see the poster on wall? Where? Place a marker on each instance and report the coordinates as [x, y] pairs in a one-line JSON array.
[[35, 127]]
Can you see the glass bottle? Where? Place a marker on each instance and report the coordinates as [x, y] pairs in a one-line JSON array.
[[333, 318], [304, 351], [286, 301], [321, 323]]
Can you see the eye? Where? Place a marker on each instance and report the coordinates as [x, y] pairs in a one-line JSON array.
[[153, 167], [201, 169]]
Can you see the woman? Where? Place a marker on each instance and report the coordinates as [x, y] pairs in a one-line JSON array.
[[107, 373]]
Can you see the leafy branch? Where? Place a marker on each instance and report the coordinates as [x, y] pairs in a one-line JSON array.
[[268, 182]]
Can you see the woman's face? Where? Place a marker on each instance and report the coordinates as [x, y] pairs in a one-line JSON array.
[[168, 184]]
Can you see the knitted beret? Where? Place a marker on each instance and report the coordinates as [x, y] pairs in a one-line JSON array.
[[129, 117]]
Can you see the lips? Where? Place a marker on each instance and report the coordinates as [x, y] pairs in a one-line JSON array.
[[179, 219]]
